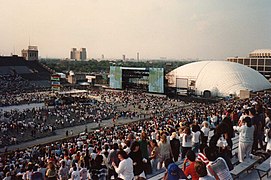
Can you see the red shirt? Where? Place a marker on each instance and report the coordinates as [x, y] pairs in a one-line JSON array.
[[190, 170]]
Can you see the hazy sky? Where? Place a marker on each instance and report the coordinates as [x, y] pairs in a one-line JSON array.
[[204, 29]]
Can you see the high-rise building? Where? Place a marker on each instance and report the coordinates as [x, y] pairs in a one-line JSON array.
[[137, 56], [78, 54], [123, 57], [83, 54], [31, 53], [259, 59], [73, 53]]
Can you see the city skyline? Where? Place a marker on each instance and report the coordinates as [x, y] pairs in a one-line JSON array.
[[176, 29]]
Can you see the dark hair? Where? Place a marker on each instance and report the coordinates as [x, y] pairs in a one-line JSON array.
[[259, 108], [128, 143], [99, 159], [248, 121], [252, 111], [191, 155], [134, 145], [35, 168], [210, 153], [195, 128], [200, 168], [154, 142], [115, 146], [123, 154], [168, 162], [187, 131], [246, 111], [63, 163], [221, 128]]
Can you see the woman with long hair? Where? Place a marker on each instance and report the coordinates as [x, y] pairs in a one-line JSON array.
[[125, 167], [164, 150], [154, 155], [186, 139], [51, 173], [137, 158]]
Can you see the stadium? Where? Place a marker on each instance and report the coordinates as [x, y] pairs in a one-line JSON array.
[[96, 130]]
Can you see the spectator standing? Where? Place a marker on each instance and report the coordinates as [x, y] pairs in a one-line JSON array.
[[195, 138], [205, 129], [246, 132], [113, 158], [186, 141], [154, 155], [143, 142], [36, 175], [51, 173], [75, 175], [99, 171], [175, 146], [63, 172], [125, 167], [137, 158], [164, 150]]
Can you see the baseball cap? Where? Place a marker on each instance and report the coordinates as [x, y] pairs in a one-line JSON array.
[[173, 172]]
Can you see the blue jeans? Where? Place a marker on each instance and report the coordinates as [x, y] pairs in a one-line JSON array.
[[154, 163], [195, 147]]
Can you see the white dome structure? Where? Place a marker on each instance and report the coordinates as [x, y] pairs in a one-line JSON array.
[[221, 78], [260, 53]]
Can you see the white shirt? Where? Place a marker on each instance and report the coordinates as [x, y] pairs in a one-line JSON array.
[[195, 137], [125, 169], [186, 140], [246, 133], [205, 131], [75, 175]]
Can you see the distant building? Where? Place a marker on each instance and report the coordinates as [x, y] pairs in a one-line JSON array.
[[83, 53], [31, 53], [73, 53], [75, 78], [78, 54], [137, 56], [259, 59], [123, 57]]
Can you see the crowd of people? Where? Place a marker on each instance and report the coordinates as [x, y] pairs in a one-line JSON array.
[[16, 90], [199, 134], [7, 99], [70, 111], [13, 83]]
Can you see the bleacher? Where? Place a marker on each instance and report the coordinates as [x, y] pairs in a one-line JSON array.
[[257, 164], [33, 71]]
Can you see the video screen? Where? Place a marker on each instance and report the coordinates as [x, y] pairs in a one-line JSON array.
[[156, 80], [115, 77]]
